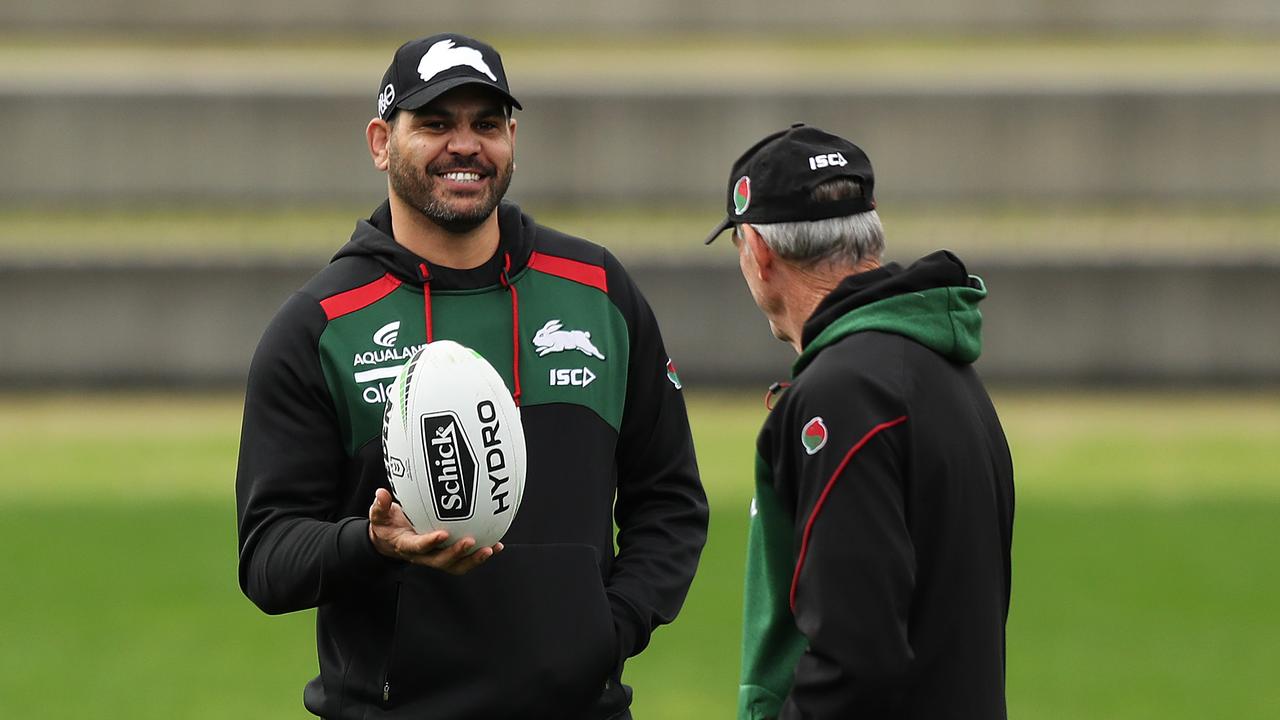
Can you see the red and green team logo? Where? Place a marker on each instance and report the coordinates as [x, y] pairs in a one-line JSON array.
[[672, 375], [742, 195], [814, 435]]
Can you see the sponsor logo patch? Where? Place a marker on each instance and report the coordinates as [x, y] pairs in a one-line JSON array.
[[550, 338], [376, 394], [385, 338], [387, 334], [451, 466], [576, 377], [385, 98], [375, 357], [834, 159], [814, 435]]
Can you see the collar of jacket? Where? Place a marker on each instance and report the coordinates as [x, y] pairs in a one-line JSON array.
[[373, 238], [933, 302]]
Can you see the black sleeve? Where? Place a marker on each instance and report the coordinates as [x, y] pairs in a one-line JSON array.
[[661, 509], [855, 569], [295, 552]]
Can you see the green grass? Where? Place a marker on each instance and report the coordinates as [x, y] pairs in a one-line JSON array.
[[1144, 584], [131, 610], [1135, 611], [314, 234]]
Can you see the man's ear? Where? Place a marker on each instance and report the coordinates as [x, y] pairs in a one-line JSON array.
[[378, 133], [763, 255]]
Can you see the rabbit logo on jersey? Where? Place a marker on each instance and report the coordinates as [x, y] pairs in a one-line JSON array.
[[552, 338], [451, 466]]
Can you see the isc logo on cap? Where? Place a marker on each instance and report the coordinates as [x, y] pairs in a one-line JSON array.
[[834, 159]]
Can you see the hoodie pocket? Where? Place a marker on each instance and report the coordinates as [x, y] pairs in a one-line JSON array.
[[528, 634]]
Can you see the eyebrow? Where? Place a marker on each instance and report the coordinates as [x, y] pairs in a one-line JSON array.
[[432, 111]]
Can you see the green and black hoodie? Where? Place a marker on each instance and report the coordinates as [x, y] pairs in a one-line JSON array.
[[878, 558], [541, 630]]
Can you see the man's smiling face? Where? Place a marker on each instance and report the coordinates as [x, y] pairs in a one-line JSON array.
[[452, 160]]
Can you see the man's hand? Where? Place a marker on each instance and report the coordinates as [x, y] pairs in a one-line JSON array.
[[393, 536]]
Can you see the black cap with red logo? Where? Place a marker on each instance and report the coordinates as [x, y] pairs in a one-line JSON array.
[[774, 179]]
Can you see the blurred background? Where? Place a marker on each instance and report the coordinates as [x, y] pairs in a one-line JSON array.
[[171, 171]]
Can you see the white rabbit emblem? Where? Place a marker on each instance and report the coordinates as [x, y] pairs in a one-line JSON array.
[[550, 338]]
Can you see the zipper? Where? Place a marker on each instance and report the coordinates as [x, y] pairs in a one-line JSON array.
[[391, 649]]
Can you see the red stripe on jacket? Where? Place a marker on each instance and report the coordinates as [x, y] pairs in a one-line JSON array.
[[359, 298], [579, 272], [822, 499]]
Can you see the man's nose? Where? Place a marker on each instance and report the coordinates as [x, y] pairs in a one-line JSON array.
[[464, 142]]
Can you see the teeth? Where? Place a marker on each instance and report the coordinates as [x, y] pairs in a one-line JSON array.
[[463, 176]]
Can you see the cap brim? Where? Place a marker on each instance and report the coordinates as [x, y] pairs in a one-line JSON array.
[[420, 98], [724, 225]]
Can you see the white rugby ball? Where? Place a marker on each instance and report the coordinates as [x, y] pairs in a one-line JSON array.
[[453, 444]]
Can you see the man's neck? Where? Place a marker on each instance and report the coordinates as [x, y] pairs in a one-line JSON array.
[[806, 288], [438, 246]]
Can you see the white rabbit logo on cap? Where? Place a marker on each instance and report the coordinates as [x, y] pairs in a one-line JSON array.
[[445, 54]]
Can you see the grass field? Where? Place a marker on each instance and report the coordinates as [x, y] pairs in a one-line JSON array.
[[313, 234], [1144, 577]]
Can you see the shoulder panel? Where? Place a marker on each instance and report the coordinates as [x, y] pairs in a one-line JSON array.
[[358, 298], [342, 275], [569, 269], [554, 242]]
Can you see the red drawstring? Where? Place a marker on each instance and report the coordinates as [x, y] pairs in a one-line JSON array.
[[515, 325], [515, 316], [771, 395], [426, 298]]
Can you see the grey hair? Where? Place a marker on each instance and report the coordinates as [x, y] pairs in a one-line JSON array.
[[849, 239]]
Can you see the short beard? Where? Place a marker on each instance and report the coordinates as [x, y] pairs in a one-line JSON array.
[[417, 190]]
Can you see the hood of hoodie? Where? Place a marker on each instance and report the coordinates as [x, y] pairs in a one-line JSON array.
[[373, 238], [933, 302]]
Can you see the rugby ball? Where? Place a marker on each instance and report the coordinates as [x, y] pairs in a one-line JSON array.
[[453, 444]]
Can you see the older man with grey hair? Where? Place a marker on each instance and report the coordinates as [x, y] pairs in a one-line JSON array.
[[878, 568]]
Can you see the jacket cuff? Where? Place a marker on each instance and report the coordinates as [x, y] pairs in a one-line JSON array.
[[633, 635], [356, 550]]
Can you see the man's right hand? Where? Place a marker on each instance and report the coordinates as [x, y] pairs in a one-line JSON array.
[[393, 535]]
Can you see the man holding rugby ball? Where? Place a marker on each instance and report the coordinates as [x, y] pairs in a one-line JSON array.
[[541, 629]]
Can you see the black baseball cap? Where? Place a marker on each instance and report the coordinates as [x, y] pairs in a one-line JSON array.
[[773, 180], [424, 69]]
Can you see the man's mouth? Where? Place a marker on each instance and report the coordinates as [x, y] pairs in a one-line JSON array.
[[462, 176]]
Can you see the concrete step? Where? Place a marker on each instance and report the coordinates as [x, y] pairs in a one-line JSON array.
[[815, 17], [112, 124], [1154, 322]]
